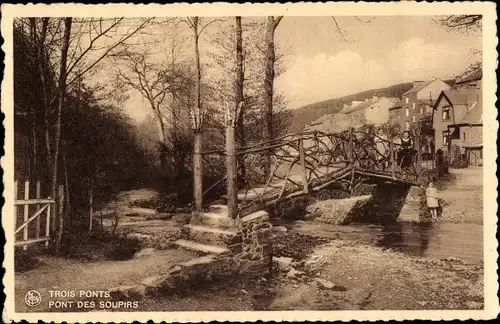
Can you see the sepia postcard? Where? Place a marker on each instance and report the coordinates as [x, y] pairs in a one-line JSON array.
[[250, 162]]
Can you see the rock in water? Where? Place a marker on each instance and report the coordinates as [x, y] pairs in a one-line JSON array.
[[280, 229], [338, 211]]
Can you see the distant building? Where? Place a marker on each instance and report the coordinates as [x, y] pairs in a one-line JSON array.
[[419, 100], [356, 112], [373, 111], [457, 121], [471, 80], [379, 111]]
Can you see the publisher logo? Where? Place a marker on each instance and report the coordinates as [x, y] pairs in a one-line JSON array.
[[33, 298]]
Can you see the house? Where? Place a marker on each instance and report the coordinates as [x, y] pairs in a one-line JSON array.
[[473, 79], [420, 100], [356, 112], [457, 121], [373, 111], [379, 111]]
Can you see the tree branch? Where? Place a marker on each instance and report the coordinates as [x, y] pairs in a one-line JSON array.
[[338, 28]]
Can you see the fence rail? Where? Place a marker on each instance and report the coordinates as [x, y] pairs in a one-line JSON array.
[[35, 216], [308, 161]]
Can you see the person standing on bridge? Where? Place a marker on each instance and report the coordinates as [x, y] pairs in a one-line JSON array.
[[405, 157], [432, 200]]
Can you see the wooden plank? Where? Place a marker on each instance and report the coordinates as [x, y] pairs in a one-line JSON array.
[[47, 226], [38, 193], [393, 160], [35, 215], [305, 186], [26, 211], [33, 241], [22, 202]]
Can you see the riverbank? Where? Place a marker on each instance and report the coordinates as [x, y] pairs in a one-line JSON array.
[[463, 196]]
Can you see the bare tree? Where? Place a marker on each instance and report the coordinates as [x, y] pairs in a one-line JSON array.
[[462, 23], [270, 58], [198, 113], [62, 92]]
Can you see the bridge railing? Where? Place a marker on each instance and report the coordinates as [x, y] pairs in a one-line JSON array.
[[296, 164]]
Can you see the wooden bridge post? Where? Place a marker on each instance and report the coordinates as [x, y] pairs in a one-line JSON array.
[[232, 180], [198, 172], [350, 152], [418, 167], [350, 148], [302, 157]]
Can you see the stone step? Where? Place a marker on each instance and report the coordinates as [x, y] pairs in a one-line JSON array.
[[211, 235], [201, 248], [217, 220]]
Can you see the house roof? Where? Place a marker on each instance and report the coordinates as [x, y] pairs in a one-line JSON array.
[[427, 102], [419, 87], [360, 106], [397, 105], [475, 115], [458, 96], [338, 122], [474, 75]]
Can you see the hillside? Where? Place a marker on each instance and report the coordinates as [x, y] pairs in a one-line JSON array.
[[305, 115]]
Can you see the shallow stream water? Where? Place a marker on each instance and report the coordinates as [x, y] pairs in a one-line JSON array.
[[432, 240]]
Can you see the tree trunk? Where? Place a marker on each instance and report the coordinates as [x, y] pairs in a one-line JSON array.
[[267, 114], [239, 106], [198, 136], [62, 90], [46, 110]]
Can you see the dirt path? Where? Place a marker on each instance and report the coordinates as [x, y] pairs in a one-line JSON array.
[[66, 274], [463, 197]]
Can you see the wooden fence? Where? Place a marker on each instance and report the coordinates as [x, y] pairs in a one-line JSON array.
[[35, 217]]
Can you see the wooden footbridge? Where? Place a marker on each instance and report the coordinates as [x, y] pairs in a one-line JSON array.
[[298, 164]]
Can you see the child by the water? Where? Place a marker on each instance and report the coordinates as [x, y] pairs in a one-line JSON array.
[[432, 200]]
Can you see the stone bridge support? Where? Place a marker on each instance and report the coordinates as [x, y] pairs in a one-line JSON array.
[[401, 202]]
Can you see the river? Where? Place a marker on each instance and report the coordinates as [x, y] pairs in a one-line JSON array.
[[432, 240]]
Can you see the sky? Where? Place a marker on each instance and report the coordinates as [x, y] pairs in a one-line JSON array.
[[372, 52], [376, 52]]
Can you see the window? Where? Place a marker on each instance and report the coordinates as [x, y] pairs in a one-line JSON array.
[[446, 138], [446, 113], [421, 109], [407, 100], [413, 119], [464, 137], [413, 105], [407, 125], [407, 112]]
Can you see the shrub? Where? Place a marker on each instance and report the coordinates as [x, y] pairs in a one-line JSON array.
[[96, 245], [122, 248]]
